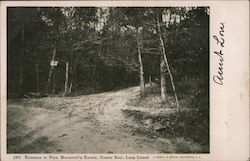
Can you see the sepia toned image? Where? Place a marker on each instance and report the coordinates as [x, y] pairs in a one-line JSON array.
[[108, 80]]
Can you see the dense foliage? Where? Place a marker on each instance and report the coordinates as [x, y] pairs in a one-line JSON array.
[[100, 46]]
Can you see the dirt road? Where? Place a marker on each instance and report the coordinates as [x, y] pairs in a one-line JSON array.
[[83, 124]]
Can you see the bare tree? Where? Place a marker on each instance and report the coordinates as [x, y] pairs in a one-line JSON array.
[[66, 78], [141, 73], [166, 61], [52, 68], [163, 80]]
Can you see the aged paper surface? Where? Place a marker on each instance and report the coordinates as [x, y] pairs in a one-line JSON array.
[[228, 84]]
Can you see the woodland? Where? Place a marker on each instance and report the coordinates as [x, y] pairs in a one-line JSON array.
[[74, 51]]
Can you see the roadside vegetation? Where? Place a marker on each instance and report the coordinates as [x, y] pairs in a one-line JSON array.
[[151, 62]]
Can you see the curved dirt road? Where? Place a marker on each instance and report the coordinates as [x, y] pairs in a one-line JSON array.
[[83, 124]]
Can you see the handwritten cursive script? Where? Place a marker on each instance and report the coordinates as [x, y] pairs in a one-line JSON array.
[[218, 78]]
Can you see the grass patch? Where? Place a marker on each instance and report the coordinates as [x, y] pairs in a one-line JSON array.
[[190, 122]]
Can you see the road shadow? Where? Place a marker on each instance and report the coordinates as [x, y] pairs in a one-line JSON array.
[[39, 145]]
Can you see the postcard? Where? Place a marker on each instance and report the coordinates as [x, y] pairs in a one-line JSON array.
[[125, 80]]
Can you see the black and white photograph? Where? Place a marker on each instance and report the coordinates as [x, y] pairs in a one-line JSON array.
[[124, 80], [99, 80]]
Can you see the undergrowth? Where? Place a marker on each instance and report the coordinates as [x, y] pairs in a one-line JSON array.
[[191, 121]]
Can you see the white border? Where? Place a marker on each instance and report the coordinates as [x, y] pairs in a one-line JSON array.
[[229, 112]]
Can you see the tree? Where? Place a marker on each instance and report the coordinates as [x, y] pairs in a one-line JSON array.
[[141, 73], [106, 48], [23, 40], [81, 32], [135, 18], [166, 61], [54, 18], [163, 80]]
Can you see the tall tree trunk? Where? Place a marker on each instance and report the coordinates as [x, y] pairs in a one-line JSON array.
[[20, 90], [54, 82], [72, 82], [51, 70], [66, 78], [163, 81], [142, 83], [73, 72], [166, 62], [37, 78], [71, 85]]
